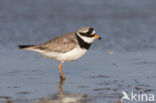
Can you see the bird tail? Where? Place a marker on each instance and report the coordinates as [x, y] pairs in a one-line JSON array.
[[26, 47]]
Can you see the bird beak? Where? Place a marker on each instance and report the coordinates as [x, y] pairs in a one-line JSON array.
[[97, 37]]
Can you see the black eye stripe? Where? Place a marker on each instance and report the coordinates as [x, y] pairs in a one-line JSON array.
[[86, 34], [89, 33], [90, 30]]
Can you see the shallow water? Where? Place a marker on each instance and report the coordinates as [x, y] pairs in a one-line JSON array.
[[98, 77], [124, 60]]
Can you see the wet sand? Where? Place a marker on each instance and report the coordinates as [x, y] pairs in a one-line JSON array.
[[96, 78]]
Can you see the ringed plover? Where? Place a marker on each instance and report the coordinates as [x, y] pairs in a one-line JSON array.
[[67, 47]]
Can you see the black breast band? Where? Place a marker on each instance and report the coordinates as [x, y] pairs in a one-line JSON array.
[[82, 43]]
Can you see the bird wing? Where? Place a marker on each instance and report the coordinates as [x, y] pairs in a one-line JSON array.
[[60, 44]]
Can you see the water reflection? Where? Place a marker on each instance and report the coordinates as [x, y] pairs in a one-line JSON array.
[[60, 86], [64, 97], [59, 97]]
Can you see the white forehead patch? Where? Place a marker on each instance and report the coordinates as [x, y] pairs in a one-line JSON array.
[[85, 31]]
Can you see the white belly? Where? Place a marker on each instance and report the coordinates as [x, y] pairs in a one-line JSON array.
[[72, 55]]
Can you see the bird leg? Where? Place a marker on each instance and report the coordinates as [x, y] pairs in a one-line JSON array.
[[61, 72]]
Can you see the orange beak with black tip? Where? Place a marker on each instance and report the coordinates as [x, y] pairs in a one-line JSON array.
[[97, 37]]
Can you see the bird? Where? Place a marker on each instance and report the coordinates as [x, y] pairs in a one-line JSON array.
[[67, 47]]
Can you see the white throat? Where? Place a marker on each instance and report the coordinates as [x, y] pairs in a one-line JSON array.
[[86, 39]]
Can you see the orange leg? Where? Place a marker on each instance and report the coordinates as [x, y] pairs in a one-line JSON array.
[[61, 72]]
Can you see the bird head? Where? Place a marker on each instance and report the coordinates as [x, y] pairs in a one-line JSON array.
[[88, 34]]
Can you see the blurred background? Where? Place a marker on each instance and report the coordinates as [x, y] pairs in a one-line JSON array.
[[123, 24], [123, 60]]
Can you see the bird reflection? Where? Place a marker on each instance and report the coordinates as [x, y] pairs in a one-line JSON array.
[[60, 86], [62, 97]]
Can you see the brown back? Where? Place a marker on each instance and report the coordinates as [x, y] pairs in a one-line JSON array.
[[60, 44]]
